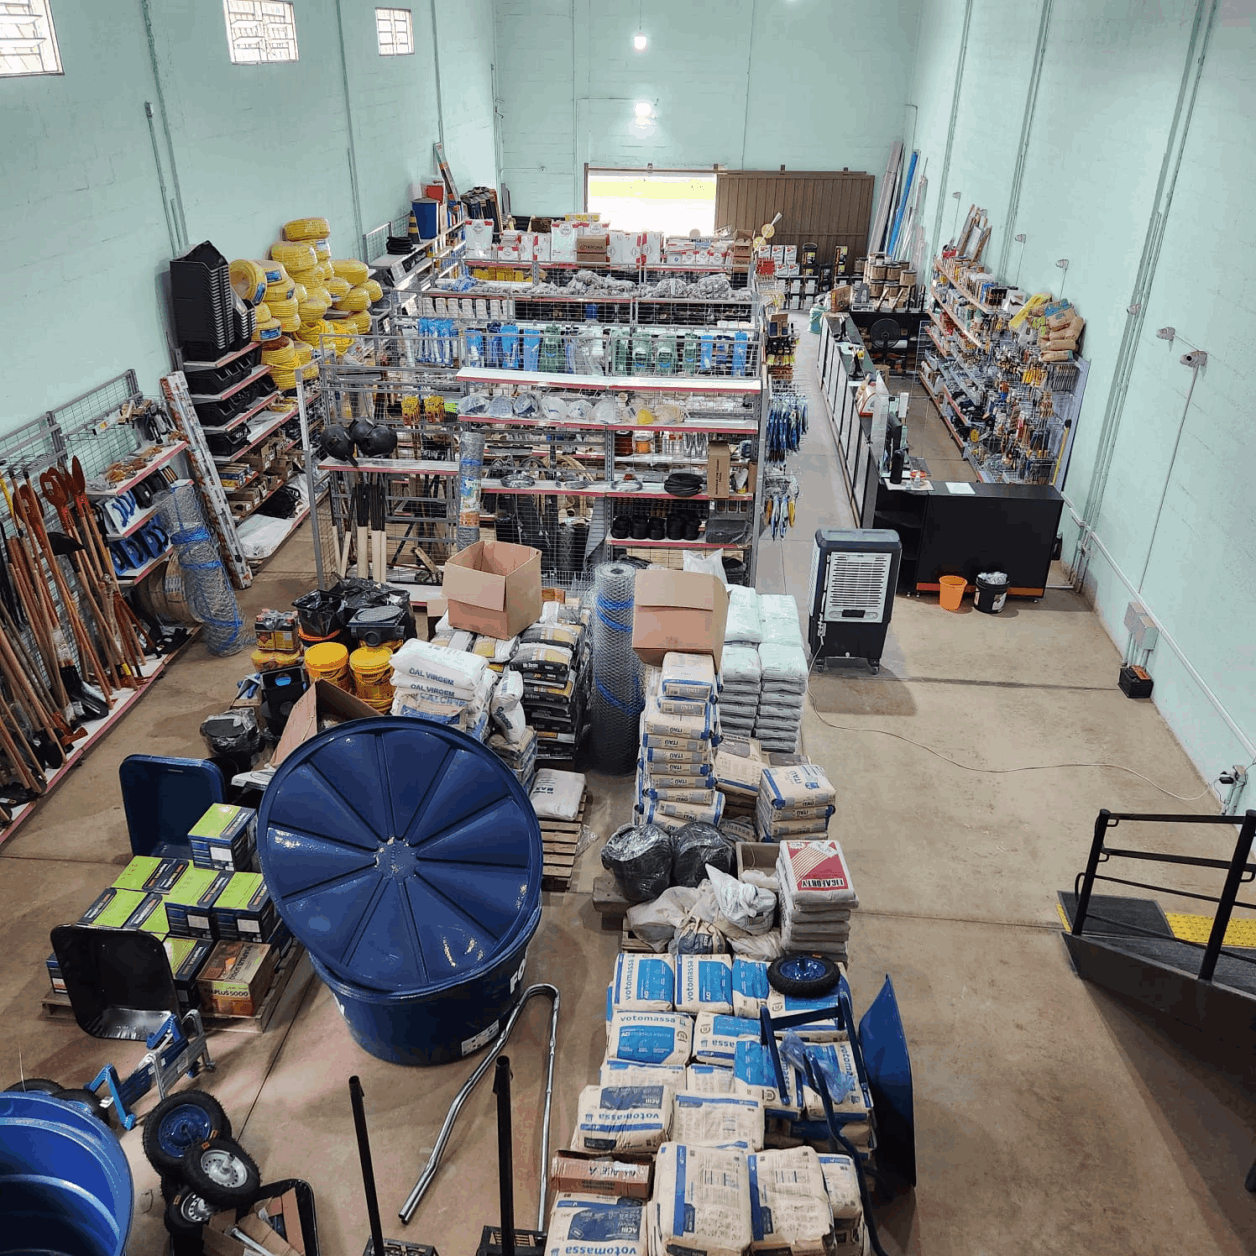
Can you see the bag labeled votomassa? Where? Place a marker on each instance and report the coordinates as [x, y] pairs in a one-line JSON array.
[[715, 1038], [626, 1073], [704, 983], [701, 1201], [717, 1120], [622, 1118], [589, 1225], [650, 1037], [789, 1207], [644, 983]]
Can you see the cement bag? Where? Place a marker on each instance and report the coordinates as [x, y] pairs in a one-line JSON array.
[[641, 859], [421, 660], [744, 905], [682, 815], [717, 1120], [789, 1206], [655, 923], [650, 1037], [837, 1062], [696, 727], [622, 1118], [687, 676], [706, 562], [799, 785], [763, 946], [743, 626], [755, 1077], [778, 615], [815, 873], [708, 1079], [701, 1201], [784, 667], [704, 983], [556, 795], [644, 983], [823, 1029], [589, 1225], [626, 1073], [841, 1184], [715, 1038], [750, 987], [699, 844]]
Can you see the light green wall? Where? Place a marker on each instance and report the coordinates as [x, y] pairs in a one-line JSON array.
[[1113, 98], [749, 84], [84, 236]]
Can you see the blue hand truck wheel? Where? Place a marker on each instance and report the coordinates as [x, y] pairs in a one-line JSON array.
[[803, 976], [179, 1122]]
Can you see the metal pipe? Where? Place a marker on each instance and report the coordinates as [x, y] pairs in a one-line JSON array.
[[438, 1149], [543, 1180], [1221, 921], [1102, 821], [368, 1171], [505, 1156]]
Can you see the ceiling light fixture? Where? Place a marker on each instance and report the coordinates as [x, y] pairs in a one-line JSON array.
[[639, 41], [643, 109]]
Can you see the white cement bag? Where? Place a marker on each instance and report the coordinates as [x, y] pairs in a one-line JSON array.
[[687, 676], [644, 983], [749, 908], [708, 1079], [717, 1120], [622, 1118], [650, 1037], [784, 667], [709, 812], [755, 1077], [656, 721], [823, 1029], [841, 1056], [655, 923], [778, 615], [750, 987], [799, 785], [743, 625], [590, 1225], [715, 1038], [704, 983], [701, 1201], [556, 795], [815, 872], [841, 1184], [422, 660], [626, 1073], [789, 1207]]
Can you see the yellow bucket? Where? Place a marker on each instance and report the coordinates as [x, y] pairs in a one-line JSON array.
[[329, 661], [372, 669]]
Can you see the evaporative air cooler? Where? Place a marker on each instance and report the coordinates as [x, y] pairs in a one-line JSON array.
[[853, 575]]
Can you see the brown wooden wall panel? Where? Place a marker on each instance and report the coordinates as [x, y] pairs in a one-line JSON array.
[[827, 208]]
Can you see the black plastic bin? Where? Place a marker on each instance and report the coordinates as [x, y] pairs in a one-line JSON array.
[[991, 592]]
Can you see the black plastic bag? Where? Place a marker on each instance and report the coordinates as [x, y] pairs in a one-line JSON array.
[[697, 845], [319, 612], [641, 859]]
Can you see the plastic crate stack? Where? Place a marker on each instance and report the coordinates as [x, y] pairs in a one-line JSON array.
[[209, 318], [741, 673], [680, 729], [778, 719]]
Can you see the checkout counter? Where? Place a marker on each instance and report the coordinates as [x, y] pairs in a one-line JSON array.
[[950, 529]]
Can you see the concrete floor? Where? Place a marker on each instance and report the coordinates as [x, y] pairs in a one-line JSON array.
[[1050, 1118]]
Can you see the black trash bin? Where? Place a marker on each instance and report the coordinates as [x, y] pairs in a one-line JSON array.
[[991, 592]]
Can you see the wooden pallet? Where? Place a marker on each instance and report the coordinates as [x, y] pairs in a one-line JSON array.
[[291, 978], [628, 941], [559, 838]]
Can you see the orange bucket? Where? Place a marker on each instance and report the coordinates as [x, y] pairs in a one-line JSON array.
[[951, 592]]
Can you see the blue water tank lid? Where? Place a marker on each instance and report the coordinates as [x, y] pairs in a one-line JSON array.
[[403, 854]]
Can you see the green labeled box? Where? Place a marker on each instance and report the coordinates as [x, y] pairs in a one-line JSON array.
[[223, 837], [190, 903], [150, 916], [148, 873], [112, 908], [244, 910], [187, 957]]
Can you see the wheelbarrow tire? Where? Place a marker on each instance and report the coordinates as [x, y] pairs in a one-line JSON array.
[[88, 1100], [187, 1213], [222, 1173], [179, 1122], [35, 1085], [803, 976]]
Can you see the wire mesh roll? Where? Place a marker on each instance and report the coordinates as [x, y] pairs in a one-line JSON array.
[[205, 583], [470, 473], [617, 695]]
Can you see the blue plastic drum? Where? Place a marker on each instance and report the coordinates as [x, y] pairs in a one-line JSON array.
[[65, 1185], [408, 860]]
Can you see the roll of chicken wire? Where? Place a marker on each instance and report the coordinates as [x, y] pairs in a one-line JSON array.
[[618, 697], [205, 582], [470, 473]]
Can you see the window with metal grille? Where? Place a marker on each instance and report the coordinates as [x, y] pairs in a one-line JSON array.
[[395, 29], [259, 31], [28, 44]]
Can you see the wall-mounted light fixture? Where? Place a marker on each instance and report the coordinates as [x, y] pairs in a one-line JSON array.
[[640, 42], [643, 109]]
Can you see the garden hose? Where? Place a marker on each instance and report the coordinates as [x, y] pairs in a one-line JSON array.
[[360, 322], [285, 377], [308, 372], [311, 309], [304, 277], [319, 293], [337, 287], [281, 309], [313, 333], [373, 290], [248, 280], [355, 300], [262, 313], [294, 256], [280, 353], [290, 324], [274, 271], [306, 229], [321, 251], [269, 330], [351, 269], [304, 352], [299, 293], [282, 289], [325, 271]]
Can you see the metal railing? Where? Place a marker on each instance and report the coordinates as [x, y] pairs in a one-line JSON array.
[[1238, 869]]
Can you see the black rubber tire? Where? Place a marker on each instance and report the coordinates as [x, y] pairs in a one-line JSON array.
[[821, 977], [170, 1187], [35, 1085], [187, 1244], [222, 1173], [87, 1100], [177, 1219], [168, 1159]]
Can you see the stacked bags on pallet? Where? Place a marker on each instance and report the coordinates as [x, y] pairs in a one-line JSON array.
[[680, 728], [741, 673], [778, 718], [448, 686], [794, 801], [553, 660], [817, 897]]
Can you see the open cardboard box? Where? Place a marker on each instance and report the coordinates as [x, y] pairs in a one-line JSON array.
[[678, 610], [322, 700], [623, 1175], [493, 588]]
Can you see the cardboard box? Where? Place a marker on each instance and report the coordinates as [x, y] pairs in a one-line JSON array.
[[494, 588], [150, 916], [760, 856], [236, 978], [244, 909], [321, 701], [719, 467], [563, 242], [188, 905], [677, 610], [223, 838], [187, 957], [111, 908], [148, 873], [625, 1175]]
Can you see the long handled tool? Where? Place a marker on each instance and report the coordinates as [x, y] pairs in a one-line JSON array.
[[364, 524], [379, 531]]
